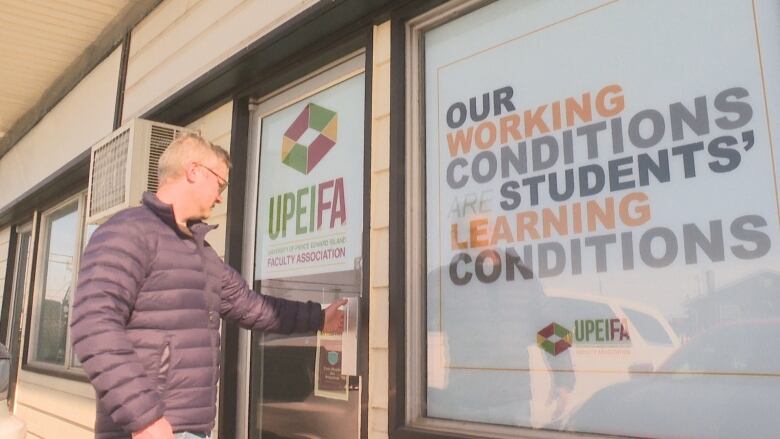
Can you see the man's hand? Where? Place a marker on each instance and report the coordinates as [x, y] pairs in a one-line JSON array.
[[159, 429], [334, 318]]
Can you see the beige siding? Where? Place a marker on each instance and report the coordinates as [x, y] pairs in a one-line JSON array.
[[82, 118], [38, 41], [55, 408], [182, 39], [380, 239], [216, 127]]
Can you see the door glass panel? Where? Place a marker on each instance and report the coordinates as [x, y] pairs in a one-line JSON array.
[[14, 333], [287, 397], [20, 278], [309, 248]]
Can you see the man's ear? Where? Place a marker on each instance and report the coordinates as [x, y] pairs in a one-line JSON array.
[[190, 171]]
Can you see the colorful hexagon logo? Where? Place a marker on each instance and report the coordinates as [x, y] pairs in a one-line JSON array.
[[554, 339], [309, 138]]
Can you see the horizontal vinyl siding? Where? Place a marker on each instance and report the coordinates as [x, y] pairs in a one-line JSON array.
[[216, 127], [181, 40], [82, 118], [378, 323], [49, 425], [55, 408]]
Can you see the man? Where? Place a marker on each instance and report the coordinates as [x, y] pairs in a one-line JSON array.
[[150, 295]]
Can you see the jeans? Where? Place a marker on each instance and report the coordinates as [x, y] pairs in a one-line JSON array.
[[188, 435]]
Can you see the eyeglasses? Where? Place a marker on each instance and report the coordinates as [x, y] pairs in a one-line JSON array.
[[223, 184]]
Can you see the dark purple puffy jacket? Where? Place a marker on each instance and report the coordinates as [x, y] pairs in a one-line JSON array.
[[146, 320]]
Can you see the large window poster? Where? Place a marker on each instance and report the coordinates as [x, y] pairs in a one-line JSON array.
[[310, 216], [603, 217]]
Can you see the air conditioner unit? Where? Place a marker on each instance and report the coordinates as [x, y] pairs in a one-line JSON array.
[[124, 165]]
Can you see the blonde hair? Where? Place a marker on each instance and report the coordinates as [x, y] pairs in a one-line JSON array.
[[187, 148]]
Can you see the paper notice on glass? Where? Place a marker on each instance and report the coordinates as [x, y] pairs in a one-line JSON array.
[[328, 380]]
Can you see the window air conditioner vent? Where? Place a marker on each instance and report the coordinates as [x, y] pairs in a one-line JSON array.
[[124, 165], [159, 140], [109, 187]]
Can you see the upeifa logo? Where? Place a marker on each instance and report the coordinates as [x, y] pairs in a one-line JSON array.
[[309, 138], [316, 205], [555, 338]]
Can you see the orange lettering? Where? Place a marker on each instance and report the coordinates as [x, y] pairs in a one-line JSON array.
[[582, 110], [501, 231], [488, 127], [454, 238], [478, 233], [526, 222], [604, 216], [616, 103], [510, 125], [535, 121], [640, 214], [549, 221], [461, 140]]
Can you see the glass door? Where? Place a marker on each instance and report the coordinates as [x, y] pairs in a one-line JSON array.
[[308, 141], [22, 266]]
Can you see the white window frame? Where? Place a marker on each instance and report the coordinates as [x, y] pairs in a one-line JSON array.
[[42, 242]]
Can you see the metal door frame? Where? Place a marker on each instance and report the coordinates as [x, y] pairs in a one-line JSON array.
[[331, 74]]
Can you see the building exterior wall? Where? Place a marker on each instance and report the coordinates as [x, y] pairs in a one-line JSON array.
[[54, 407], [82, 118], [182, 39]]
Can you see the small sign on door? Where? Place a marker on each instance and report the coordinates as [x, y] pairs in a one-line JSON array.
[[328, 380]]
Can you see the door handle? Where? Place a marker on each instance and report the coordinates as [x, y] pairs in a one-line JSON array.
[[349, 338]]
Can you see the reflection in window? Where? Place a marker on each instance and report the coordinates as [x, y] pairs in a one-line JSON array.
[[61, 230], [648, 327]]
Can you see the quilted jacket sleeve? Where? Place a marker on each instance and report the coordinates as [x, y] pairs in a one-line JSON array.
[[113, 268], [265, 313]]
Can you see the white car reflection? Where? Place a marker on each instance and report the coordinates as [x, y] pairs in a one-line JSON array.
[[595, 367], [724, 383]]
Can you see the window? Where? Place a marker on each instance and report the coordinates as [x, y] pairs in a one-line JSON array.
[[62, 240], [573, 221]]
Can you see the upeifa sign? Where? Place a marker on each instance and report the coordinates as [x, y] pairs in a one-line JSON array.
[[555, 338], [530, 155], [310, 206]]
